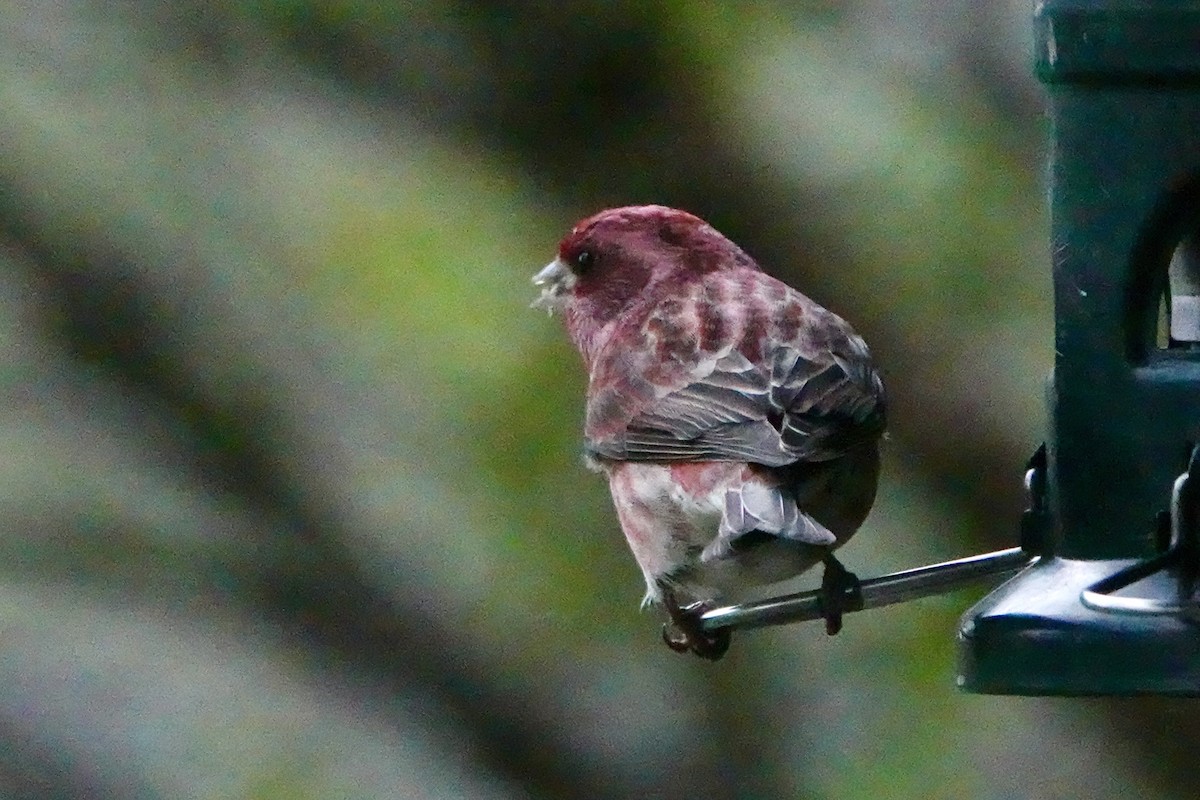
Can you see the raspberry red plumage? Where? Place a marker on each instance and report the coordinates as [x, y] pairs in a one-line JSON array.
[[696, 358]]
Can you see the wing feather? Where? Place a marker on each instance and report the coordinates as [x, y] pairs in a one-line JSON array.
[[814, 394]]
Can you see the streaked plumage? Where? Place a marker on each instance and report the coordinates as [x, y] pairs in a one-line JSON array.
[[737, 419]]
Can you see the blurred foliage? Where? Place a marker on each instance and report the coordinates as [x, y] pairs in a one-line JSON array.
[[293, 503]]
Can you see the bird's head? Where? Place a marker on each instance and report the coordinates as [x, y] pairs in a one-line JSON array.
[[609, 260]]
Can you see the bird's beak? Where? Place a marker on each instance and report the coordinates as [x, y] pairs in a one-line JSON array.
[[551, 273], [555, 280]]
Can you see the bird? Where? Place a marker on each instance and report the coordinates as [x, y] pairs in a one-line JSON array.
[[737, 421]]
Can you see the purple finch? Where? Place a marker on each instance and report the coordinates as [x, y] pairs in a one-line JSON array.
[[736, 419]]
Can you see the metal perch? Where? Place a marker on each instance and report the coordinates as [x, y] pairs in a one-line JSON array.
[[871, 593]]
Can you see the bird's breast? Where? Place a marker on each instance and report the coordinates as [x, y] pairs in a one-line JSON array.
[[703, 483], [674, 506]]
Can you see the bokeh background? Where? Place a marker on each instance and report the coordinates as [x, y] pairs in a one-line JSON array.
[[291, 502]]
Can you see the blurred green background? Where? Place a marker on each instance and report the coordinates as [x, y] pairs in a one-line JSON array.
[[292, 503]]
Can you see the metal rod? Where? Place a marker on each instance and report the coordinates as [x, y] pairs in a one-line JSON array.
[[1181, 553], [876, 592]]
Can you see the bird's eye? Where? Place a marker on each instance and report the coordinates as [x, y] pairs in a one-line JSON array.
[[584, 259]]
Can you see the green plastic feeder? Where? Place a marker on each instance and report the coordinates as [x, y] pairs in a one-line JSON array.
[[1109, 608]]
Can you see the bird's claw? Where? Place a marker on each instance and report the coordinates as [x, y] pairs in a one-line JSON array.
[[684, 632], [675, 638], [841, 591]]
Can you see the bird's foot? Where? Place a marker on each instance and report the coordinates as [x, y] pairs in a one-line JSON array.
[[841, 591], [684, 632]]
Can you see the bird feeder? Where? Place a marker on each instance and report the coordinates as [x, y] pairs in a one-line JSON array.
[[1109, 607], [1104, 602]]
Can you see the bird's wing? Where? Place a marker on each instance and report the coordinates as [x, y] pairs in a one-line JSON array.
[[788, 381]]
